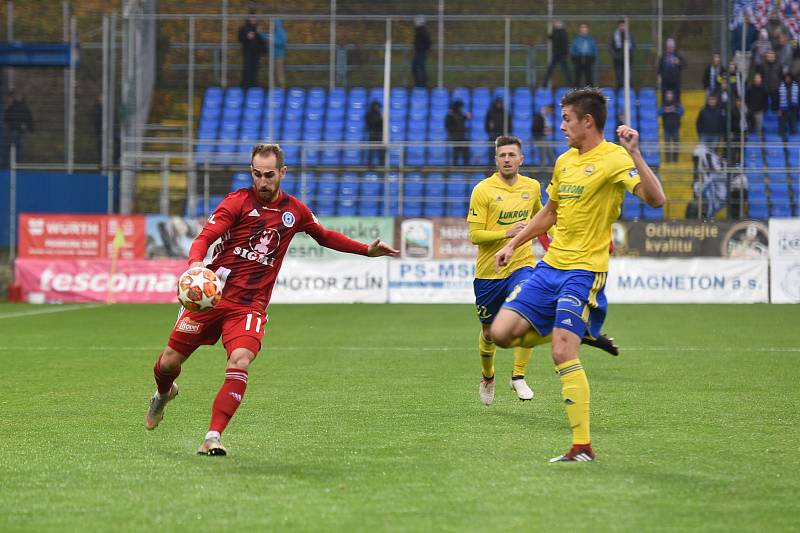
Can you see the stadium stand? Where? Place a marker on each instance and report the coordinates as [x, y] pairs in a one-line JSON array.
[[322, 130]]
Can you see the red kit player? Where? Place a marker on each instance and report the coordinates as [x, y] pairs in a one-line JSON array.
[[255, 226]]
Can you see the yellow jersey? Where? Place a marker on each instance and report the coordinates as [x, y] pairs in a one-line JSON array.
[[589, 189], [497, 206]]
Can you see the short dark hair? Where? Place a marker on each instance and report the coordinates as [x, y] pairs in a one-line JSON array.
[[267, 149], [505, 140], [588, 101]]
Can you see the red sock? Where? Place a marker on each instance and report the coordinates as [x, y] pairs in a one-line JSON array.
[[164, 379], [228, 398]]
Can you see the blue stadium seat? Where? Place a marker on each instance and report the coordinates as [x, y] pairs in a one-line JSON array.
[[200, 210], [434, 195], [210, 114], [418, 98], [415, 155], [474, 179], [440, 97], [500, 92], [316, 97], [653, 213], [780, 208], [375, 95], [462, 94], [456, 196], [757, 210], [631, 207], [241, 180], [253, 104], [413, 196], [234, 98], [542, 97], [352, 156], [213, 98], [433, 207], [437, 155]]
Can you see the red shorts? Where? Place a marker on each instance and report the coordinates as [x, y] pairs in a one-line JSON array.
[[240, 326]]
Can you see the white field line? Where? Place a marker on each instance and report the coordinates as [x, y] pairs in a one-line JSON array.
[[278, 348], [49, 310]]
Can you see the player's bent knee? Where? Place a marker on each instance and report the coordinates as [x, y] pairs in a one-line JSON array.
[[171, 359], [507, 327], [241, 358], [566, 345]]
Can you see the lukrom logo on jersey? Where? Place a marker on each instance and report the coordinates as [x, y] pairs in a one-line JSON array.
[[509, 217], [262, 245], [570, 192]]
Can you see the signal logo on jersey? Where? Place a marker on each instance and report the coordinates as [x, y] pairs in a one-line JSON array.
[[262, 245], [288, 219]]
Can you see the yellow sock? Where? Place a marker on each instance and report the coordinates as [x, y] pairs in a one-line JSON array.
[[521, 358], [575, 391], [487, 350], [531, 339]]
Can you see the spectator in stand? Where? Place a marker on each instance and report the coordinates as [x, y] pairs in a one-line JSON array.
[[670, 65], [712, 73], [422, 44], [757, 102], [542, 132], [374, 119], [19, 121], [710, 123], [723, 94], [494, 123], [733, 78], [794, 67], [671, 112], [617, 51], [750, 36], [253, 47], [560, 49], [788, 104], [784, 52], [775, 26], [280, 40], [583, 53], [456, 125], [771, 72], [740, 125], [758, 52]]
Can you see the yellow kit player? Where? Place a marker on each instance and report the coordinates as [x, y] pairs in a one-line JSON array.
[[565, 295]]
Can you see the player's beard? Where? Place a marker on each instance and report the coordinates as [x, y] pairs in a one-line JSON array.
[[267, 196], [508, 174]]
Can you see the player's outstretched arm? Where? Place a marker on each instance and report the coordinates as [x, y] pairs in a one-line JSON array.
[[540, 223], [378, 248], [342, 243], [649, 190]]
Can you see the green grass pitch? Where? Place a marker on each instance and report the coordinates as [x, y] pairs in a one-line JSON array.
[[367, 418]]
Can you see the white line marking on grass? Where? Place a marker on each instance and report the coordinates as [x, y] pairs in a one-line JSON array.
[[50, 310], [268, 349]]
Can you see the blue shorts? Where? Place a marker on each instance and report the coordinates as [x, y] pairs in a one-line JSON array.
[[574, 300], [491, 293]]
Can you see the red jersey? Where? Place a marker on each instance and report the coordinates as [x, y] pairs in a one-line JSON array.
[[255, 237]]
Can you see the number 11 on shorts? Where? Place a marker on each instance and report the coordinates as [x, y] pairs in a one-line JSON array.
[[249, 322]]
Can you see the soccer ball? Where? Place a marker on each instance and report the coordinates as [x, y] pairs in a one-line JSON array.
[[199, 289]]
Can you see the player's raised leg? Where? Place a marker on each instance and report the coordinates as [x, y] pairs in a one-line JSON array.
[[165, 371]]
